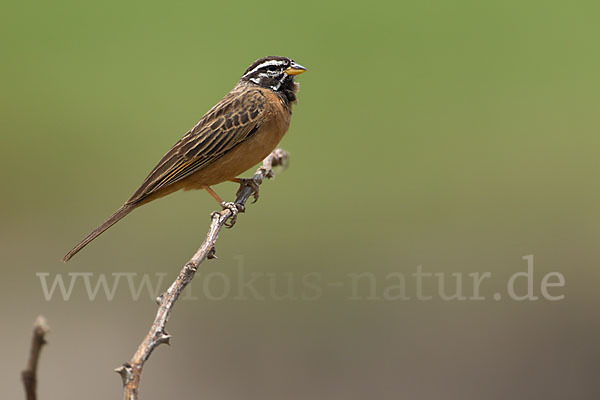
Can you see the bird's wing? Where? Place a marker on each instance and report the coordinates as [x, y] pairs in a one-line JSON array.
[[233, 120]]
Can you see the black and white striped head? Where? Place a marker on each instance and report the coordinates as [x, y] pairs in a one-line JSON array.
[[275, 73]]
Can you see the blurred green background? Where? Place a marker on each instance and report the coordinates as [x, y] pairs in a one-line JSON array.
[[460, 136]]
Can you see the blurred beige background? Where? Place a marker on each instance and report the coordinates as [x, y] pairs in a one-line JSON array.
[[459, 136]]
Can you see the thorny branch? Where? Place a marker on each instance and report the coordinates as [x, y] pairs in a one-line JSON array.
[[29, 374], [131, 371]]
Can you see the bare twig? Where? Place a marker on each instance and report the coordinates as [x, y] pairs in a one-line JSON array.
[[29, 374], [131, 372]]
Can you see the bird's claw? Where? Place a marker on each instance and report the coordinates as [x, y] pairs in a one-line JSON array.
[[235, 209], [251, 183]]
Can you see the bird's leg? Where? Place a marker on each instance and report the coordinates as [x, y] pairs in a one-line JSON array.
[[226, 205], [251, 183], [213, 194]]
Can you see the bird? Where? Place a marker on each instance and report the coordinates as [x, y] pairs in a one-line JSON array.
[[233, 136]]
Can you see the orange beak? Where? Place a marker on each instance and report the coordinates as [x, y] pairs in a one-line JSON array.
[[295, 69]]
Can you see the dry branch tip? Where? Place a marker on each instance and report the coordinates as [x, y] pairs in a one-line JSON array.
[[29, 374]]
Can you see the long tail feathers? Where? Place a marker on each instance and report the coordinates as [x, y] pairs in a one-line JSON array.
[[113, 219]]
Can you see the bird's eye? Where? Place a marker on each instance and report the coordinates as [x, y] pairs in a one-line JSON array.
[[271, 68]]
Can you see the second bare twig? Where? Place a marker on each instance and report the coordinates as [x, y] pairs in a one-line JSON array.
[[29, 374]]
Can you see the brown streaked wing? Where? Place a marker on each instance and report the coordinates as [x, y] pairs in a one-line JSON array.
[[230, 122]]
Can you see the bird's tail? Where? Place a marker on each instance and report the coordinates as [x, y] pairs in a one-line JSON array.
[[113, 219]]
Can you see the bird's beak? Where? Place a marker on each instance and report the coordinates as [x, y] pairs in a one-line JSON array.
[[295, 69]]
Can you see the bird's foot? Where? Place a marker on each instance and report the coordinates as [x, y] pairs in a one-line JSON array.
[[248, 182], [235, 209]]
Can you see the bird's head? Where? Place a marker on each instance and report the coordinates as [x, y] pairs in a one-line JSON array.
[[275, 73]]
